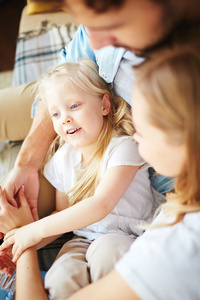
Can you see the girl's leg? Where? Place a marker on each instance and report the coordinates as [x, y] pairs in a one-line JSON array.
[[15, 111], [69, 273], [104, 252]]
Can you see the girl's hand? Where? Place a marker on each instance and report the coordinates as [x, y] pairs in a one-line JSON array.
[[12, 216], [21, 239]]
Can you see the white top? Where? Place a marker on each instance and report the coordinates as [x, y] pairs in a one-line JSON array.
[[136, 205], [164, 263]]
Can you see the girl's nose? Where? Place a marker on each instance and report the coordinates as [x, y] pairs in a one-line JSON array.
[[67, 119]]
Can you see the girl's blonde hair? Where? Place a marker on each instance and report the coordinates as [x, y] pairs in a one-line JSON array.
[[171, 84], [84, 74]]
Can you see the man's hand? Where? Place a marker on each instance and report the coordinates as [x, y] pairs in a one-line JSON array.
[[27, 177], [11, 216]]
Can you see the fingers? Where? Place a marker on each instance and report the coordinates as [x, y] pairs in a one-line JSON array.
[[16, 251], [35, 214], [4, 270], [4, 199], [9, 240], [6, 265], [7, 243], [21, 197]]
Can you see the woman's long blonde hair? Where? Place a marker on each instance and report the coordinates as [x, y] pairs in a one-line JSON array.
[[84, 74], [171, 84]]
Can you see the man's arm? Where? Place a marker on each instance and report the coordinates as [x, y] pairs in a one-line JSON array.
[[30, 157]]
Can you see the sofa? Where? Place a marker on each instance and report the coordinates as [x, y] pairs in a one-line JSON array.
[[41, 37]]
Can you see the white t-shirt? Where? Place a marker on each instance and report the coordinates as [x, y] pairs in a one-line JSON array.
[[164, 263], [136, 205]]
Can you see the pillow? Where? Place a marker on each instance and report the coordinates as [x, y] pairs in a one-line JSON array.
[[39, 6], [38, 50]]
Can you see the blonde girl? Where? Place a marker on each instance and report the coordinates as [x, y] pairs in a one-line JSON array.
[[102, 186]]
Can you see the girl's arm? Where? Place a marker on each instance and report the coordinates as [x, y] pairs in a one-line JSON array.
[[108, 193], [61, 203]]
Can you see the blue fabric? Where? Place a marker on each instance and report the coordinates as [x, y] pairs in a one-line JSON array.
[[108, 58], [161, 183], [6, 294], [43, 273]]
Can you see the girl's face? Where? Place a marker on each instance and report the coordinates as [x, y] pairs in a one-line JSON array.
[[77, 116], [154, 145]]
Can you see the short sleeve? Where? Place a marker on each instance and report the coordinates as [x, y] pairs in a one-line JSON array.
[[59, 170], [53, 171], [164, 264], [123, 151]]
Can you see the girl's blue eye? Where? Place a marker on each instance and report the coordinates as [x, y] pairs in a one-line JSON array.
[[55, 114], [74, 106]]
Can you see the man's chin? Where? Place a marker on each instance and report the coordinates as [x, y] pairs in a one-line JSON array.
[[137, 52], [122, 46]]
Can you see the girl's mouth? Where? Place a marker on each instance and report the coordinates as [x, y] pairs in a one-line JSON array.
[[72, 131]]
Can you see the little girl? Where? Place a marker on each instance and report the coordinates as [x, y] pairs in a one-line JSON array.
[[102, 185]]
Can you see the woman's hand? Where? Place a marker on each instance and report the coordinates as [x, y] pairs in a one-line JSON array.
[[6, 264]]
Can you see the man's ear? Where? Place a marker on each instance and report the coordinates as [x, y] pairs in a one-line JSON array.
[[105, 105]]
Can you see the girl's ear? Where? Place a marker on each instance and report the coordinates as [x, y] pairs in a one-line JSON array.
[[105, 105]]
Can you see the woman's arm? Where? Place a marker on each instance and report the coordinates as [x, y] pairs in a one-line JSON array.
[[29, 283], [108, 193], [110, 287]]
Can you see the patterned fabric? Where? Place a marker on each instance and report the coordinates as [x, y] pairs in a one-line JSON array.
[[39, 50], [7, 286]]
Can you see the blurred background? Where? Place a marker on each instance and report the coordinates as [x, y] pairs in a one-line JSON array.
[[10, 12]]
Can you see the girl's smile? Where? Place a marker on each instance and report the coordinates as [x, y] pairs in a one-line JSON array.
[[73, 131]]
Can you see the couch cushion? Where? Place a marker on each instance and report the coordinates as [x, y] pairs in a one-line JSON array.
[[38, 6], [38, 50]]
